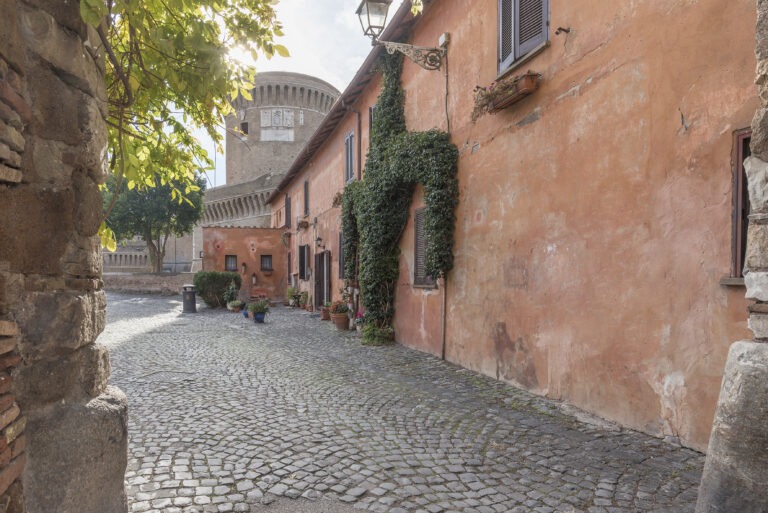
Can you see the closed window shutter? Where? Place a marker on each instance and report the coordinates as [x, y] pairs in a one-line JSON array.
[[530, 25], [302, 264], [287, 211], [419, 250], [506, 33]]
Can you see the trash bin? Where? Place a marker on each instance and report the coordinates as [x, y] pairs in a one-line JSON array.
[[188, 298]]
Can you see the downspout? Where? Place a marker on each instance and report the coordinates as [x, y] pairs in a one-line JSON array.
[[444, 307]]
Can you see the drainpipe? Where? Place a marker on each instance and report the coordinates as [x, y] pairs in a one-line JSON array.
[[445, 286]]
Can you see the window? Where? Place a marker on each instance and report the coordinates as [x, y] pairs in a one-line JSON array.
[[266, 262], [230, 263], [306, 197], [304, 262], [287, 211], [301, 117], [741, 206], [349, 156], [523, 26], [420, 277], [244, 128], [371, 116]]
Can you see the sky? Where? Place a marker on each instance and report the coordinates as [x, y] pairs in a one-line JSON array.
[[324, 39]]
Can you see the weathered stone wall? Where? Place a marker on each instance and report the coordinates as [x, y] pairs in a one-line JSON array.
[[167, 284], [736, 471], [63, 429]]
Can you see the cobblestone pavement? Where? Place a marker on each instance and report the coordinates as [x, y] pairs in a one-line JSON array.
[[227, 415]]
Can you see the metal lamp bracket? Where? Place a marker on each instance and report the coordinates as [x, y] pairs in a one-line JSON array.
[[426, 57]]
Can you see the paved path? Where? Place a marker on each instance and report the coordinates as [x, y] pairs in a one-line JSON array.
[[227, 415]]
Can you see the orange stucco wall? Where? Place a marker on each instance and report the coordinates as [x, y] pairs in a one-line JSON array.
[[594, 222], [248, 244]]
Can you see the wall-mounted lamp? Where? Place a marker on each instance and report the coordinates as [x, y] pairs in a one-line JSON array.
[[253, 279], [201, 254], [319, 243], [373, 17], [242, 267]]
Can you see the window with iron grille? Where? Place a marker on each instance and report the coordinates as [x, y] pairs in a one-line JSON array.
[[741, 205], [306, 197], [523, 27], [266, 262], [287, 211], [349, 155], [420, 277], [230, 263], [304, 262]]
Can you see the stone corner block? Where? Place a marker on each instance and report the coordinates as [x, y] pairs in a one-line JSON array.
[[757, 178], [77, 456], [756, 283]]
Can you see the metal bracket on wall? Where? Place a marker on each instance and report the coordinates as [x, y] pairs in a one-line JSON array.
[[426, 57]]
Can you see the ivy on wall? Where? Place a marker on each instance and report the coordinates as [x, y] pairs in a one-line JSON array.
[[375, 210]]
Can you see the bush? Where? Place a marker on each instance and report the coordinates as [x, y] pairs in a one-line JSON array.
[[212, 285], [374, 336]]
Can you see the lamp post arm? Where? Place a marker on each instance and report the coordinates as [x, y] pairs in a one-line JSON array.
[[426, 57]]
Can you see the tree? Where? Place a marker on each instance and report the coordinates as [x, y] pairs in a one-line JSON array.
[[169, 68], [151, 213]]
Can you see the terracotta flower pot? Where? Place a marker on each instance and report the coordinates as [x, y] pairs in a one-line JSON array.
[[325, 314], [341, 321]]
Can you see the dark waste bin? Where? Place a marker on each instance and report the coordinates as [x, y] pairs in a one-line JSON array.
[[188, 298]]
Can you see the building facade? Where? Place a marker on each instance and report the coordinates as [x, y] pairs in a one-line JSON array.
[[599, 236]]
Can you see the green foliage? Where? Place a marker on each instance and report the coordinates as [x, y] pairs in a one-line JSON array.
[[376, 336], [231, 293], [375, 210], [153, 214], [168, 70], [339, 307], [212, 285], [261, 306], [235, 304]]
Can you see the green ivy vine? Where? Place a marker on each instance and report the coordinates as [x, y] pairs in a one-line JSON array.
[[375, 210]]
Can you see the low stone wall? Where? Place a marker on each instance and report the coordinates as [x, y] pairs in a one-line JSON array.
[[147, 283]]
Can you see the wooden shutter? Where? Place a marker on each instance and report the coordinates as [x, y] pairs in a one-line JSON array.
[[302, 263], [530, 25], [506, 33], [287, 211], [419, 250]]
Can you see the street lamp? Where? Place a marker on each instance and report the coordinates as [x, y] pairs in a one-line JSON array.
[[373, 16]]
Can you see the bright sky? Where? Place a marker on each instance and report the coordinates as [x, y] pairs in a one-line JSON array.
[[325, 40]]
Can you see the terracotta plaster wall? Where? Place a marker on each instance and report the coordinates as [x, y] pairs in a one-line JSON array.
[[326, 175], [249, 244], [594, 222]]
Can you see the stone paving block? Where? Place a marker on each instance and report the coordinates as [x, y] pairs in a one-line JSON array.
[[226, 417]]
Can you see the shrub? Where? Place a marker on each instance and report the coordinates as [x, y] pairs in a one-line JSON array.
[[339, 307], [212, 285], [231, 293], [261, 306], [375, 336]]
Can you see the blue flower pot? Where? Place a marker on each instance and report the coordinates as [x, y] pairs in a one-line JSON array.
[[245, 313], [259, 317]]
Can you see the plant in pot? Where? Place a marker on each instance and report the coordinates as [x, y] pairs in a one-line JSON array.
[[325, 312], [339, 315], [259, 310], [235, 305], [359, 322], [230, 294]]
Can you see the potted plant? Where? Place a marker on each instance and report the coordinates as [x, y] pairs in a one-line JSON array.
[[292, 296], [339, 315], [235, 305], [359, 321], [259, 310], [504, 92], [230, 294], [325, 312]]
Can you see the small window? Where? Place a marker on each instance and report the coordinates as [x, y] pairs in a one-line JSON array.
[[306, 197], [230, 263], [741, 205], [301, 117], [523, 27], [266, 262], [304, 262], [371, 116], [287, 211], [349, 157], [420, 277], [244, 128]]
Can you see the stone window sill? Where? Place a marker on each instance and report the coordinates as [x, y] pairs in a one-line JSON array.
[[729, 281]]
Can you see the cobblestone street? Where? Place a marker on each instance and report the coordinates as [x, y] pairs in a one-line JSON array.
[[227, 415]]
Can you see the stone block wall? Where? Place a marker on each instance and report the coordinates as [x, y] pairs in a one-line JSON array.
[[63, 434]]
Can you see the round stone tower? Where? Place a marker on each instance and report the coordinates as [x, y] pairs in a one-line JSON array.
[[265, 135]]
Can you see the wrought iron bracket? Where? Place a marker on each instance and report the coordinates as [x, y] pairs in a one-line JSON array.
[[426, 57]]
